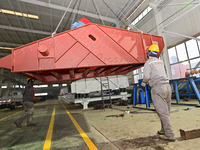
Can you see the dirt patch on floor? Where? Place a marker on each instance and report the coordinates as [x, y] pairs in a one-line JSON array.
[[151, 141]]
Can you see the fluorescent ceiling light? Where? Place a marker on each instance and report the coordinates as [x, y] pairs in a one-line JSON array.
[[18, 14], [41, 94], [4, 87], [6, 48]]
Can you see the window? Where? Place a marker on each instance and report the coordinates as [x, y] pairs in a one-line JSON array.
[[145, 12], [136, 78], [136, 21], [192, 48], [195, 65], [138, 74], [184, 59], [149, 9], [172, 55], [175, 71], [142, 69], [184, 67], [142, 15], [198, 41], [181, 50], [135, 71]]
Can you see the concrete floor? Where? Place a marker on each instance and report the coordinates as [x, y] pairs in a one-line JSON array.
[[134, 131]]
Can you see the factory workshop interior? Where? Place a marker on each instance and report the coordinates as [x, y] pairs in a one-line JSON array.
[[73, 74]]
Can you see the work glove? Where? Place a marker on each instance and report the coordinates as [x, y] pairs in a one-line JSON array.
[[143, 84]]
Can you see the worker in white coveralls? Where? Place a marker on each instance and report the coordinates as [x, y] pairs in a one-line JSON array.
[[154, 74]]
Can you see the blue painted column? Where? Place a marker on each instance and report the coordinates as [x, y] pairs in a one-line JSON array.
[[176, 91], [188, 87], [135, 95], [147, 97], [195, 88]]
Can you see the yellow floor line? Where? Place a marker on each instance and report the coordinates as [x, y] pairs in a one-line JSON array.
[[9, 116], [87, 140], [47, 144]]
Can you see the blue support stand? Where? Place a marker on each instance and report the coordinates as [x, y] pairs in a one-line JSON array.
[[195, 88], [147, 97], [147, 94], [135, 95], [189, 81], [176, 91], [189, 92]]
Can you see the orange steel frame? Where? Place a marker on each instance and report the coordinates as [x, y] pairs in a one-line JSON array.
[[89, 51]]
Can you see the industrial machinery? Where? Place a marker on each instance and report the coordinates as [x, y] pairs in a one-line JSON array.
[[85, 91], [88, 51], [191, 91], [11, 99]]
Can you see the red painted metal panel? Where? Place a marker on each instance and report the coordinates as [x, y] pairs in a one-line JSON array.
[[25, 58], [5, 62], [46, 63], [73, 57], [91, 61], [101, 45], [63, 42], [85, 52], [130, 41]]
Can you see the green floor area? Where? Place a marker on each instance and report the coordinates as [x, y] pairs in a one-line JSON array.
[[65, 135]]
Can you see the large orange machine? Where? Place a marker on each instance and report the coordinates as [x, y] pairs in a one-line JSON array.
[[88, 51]]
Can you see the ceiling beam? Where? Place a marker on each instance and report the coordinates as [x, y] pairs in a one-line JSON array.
[[182, 35], [61, 8], [10, 78], [24, 30], [9, 44], [3, 54]]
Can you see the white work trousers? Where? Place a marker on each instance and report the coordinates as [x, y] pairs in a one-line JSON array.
[[161, 97]]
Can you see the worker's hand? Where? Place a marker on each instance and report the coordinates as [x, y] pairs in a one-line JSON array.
[[143, 84]]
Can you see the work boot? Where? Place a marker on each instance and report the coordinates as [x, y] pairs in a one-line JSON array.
[[164, 137], [31, 124], [160, 132], [18, 124]]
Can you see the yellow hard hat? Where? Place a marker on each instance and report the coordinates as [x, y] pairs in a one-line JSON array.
[[28, 79], [154, 48]]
